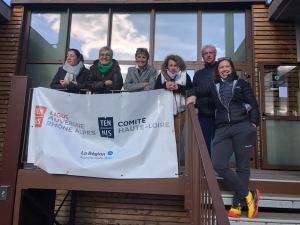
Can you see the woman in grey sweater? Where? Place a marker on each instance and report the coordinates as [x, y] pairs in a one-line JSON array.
[[142, 76]]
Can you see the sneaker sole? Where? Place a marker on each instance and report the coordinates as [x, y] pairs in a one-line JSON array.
[[231, 214], [256, 204]]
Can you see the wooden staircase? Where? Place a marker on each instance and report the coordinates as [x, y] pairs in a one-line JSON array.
[[273, 209], [279, 202]]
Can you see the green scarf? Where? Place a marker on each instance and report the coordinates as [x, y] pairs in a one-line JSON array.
[[105, 68]]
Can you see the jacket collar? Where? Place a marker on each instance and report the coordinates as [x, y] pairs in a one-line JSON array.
[[210, 65], [229, 78]]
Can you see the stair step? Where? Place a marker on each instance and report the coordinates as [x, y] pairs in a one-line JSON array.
[[267, 218], [270, 200]]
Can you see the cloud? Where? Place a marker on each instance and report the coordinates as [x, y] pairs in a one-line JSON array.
[[53, 19], [90, 30], [126, 37]]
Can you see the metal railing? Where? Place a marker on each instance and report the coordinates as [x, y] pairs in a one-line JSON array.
[[203, 197]]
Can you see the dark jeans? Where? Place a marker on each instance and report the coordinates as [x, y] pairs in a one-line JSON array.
[[208, 127], [238, 139]]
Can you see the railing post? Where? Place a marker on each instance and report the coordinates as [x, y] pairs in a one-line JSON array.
[[13, 138], [203, 196], [187, 150]]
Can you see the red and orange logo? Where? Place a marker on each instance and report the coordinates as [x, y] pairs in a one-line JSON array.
[[39, 115]]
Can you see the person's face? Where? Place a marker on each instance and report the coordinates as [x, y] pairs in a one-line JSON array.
[[209, 55], [141, 60], [72, 59], [172, 66], [104, 57], [224, 69]]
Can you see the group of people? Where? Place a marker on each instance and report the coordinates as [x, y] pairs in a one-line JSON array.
[[227, 108], [104, 76]]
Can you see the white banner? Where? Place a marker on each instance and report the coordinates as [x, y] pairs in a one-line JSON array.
[[123, 136]]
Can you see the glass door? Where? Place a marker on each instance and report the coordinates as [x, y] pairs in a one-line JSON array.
[[280, 121]]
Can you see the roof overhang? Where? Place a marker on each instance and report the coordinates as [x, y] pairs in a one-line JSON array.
[[284, 10], [5, 12]]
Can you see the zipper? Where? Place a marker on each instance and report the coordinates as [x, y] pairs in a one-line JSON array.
[[229, 100]]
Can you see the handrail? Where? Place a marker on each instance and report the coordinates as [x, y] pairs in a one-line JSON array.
[[203, 197]]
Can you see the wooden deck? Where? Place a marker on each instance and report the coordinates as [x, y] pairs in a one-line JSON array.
[[37, 178], [101, 199]]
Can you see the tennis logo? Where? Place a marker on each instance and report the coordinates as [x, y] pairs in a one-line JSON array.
[[39, 115], [106, 127]]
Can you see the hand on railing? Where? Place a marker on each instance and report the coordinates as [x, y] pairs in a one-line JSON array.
[[64, 83], [172, 86], [191, 100], [108, 82]]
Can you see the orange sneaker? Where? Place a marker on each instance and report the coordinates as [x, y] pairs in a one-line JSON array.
[[252, 200], [235, 210]]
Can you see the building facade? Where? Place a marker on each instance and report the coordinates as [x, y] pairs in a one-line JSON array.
[[35, 40]]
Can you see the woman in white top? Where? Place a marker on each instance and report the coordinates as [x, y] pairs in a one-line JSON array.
[[173, 77]]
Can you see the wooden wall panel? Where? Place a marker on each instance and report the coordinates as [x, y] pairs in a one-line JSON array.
[[273, 41], [121, 208], [9, 45]]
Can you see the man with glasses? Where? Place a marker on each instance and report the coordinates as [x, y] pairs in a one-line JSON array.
[[205, 105]]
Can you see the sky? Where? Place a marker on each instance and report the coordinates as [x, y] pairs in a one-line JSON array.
[[7, 2]]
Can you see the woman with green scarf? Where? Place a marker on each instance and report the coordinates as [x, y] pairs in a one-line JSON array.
[[106, 73]]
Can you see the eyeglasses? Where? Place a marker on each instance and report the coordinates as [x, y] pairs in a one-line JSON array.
[[103, 55], [224, 58]]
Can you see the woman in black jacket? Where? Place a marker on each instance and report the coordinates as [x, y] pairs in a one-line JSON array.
[[237, 116], [106, 73], [72, 76]]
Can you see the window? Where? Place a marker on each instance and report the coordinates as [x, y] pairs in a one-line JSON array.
[[47, 37], [226, 30], [129, 32], [42, 74], [176, 33], [89, 33]]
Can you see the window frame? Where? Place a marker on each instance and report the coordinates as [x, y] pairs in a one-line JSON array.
[[142, 7]]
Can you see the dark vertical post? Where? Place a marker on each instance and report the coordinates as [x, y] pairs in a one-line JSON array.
[[68, 36], [152, 37], [199, 35], [23, 45], [13, 138], [109, 29], [73, 208]]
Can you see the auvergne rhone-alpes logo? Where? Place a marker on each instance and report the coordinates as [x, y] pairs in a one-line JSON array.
[[106, 127]]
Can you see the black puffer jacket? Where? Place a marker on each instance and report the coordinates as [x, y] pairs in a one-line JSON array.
[[236, 112], [205, 105], [81, 80]]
